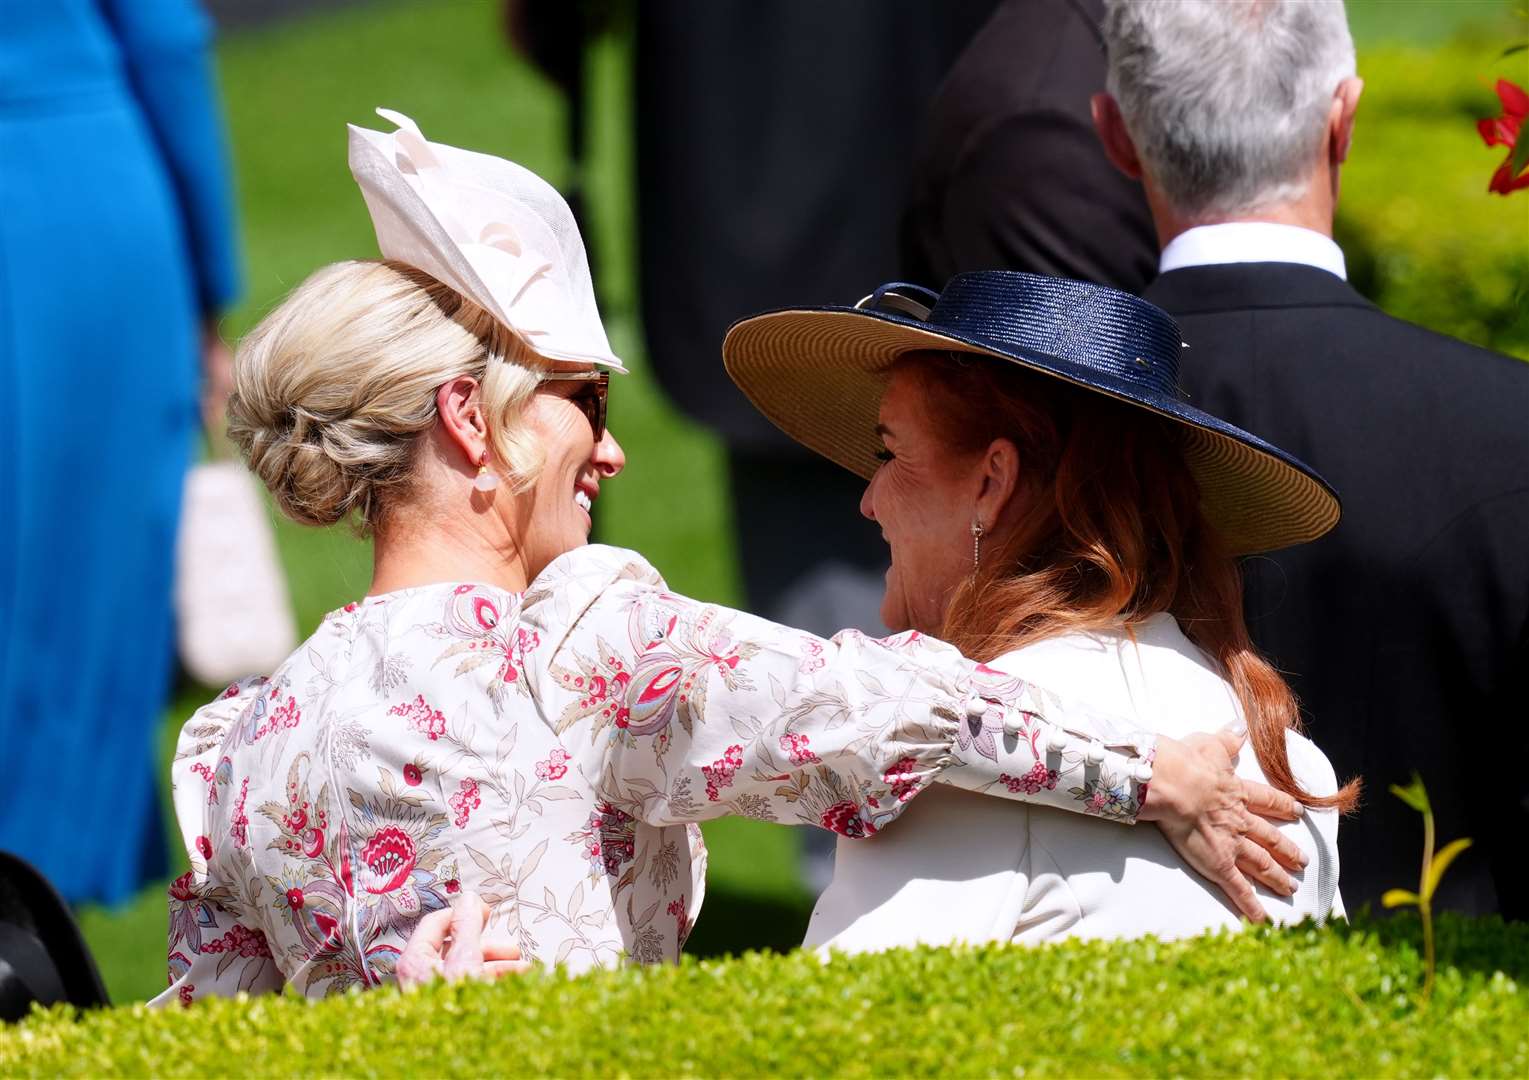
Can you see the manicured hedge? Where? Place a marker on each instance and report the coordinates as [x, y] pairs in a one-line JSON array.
[[1303, 1002]]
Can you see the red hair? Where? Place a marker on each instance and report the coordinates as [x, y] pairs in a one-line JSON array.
[[1111, 533]]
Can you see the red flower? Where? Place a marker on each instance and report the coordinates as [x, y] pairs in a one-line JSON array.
[[185, 994], [412, 775], [485, 612], [1033, 781], [389, 859], [719, 774], [901, 776], [204, 845], [844, 818], [429, 722], [242, 940], [555, 767], [681, 918], [239, 825], [328, 926], [453, 887], [180, 888], [798, 748], [295, 899], [1503, 131], [465, 801]]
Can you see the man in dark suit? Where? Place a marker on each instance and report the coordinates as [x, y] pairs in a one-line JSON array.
[[1009, 173], [1406, 631], [774, 144]]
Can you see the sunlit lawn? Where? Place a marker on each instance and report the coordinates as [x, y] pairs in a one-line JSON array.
[[290, 91]]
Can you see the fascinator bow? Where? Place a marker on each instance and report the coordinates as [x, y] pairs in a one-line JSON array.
[[492, 230]]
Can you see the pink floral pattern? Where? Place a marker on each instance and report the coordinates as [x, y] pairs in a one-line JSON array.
[[902, 778], [555, 767], [465, 801], [552, 751], [430, 723], [719, 774], [798, 749], [1038, 779]]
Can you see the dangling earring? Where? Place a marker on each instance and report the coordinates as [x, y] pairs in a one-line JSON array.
[[485, 480], [977, 531]]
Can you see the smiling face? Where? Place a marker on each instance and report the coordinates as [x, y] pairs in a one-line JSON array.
[[556, 508], [924, 497]]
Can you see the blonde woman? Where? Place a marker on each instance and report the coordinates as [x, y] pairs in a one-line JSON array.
[[513, 711]]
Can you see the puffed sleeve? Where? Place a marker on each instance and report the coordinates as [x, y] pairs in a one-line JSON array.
[[167, 48], [691, 711], [211, 951]]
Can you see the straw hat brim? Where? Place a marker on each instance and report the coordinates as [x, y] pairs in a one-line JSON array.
[[819, 373]]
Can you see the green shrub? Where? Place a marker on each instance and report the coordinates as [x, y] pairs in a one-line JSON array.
[[1307, 1001]]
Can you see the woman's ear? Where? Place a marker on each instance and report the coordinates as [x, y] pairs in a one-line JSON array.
[[460, 406], [999, 480]]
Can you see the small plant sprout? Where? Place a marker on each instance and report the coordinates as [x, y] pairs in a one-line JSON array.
[[1416, 796]]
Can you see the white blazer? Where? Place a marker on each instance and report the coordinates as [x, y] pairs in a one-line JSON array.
[[962, 867]]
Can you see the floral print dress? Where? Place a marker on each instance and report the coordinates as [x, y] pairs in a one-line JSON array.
[[552, 750]]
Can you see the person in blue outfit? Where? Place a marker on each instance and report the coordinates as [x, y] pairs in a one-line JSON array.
[[116, 254]]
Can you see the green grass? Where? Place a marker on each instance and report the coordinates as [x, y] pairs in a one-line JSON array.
[[1304, 1002], [1423, 238]]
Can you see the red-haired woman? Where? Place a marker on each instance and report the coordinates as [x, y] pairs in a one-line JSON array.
[[1055, 509]]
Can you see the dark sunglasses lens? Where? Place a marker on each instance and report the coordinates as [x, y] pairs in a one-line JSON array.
[[591, 402]]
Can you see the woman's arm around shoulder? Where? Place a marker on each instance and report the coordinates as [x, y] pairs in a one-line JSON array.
[[692, 711]]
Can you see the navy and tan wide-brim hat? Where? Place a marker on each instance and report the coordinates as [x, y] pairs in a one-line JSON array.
[[818, 374]]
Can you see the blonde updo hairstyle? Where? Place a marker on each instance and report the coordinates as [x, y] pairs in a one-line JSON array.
[[335, 388]]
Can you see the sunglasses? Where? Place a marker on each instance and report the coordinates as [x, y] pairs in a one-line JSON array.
[[591, 399]]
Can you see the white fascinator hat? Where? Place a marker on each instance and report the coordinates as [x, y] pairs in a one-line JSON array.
[[495, 232]]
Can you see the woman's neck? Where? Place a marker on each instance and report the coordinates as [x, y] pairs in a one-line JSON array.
[[407, 556]]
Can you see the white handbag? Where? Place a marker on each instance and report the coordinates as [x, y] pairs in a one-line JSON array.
[[231, 604]]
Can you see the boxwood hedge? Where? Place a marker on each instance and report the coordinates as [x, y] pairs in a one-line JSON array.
[[1307, 1001]]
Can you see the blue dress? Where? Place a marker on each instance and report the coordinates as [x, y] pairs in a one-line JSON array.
[[115, 240]]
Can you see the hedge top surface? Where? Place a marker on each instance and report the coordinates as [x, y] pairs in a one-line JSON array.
[[1307, 1001]]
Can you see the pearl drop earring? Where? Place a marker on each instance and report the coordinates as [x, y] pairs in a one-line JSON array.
[[485, 480]]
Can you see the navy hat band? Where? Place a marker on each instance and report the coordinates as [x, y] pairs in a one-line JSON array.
[[1096, 328]]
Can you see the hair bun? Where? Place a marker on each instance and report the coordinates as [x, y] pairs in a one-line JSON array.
[[333, 389]]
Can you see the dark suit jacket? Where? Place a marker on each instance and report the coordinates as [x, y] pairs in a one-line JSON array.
[[774, 146], [1406, 630], [1010, 173]]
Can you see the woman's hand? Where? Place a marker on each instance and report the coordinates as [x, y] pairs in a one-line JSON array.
[[1210, 816], [450, 943]]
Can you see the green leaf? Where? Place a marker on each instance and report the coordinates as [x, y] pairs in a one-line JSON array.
[[1399, 898], [1414, 794], [1520, 157], [1441, 863]]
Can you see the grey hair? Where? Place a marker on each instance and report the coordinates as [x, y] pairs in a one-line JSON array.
[[1227, 100]]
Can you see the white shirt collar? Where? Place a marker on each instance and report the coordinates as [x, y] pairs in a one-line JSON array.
[[1252, 241]]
